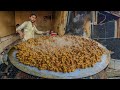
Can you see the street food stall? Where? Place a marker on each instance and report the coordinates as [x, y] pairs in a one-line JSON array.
[[58, 54]]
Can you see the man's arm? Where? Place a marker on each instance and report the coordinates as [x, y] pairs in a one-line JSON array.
[[19, 28], [38, 32]]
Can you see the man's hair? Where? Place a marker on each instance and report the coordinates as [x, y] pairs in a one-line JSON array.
[[17, 25], [33, 15]]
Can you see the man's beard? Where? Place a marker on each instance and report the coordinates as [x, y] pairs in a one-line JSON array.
[[32, 21]]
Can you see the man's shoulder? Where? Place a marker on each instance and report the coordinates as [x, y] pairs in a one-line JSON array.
[[27, 22]]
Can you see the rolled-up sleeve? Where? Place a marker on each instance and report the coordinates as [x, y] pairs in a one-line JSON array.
[[22, 26]]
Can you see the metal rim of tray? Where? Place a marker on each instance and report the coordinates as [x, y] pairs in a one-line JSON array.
[[79, 73]]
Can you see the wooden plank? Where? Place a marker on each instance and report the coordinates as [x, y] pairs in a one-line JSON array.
[[60, 22], [118, 28], [7, 23], [87, 26]]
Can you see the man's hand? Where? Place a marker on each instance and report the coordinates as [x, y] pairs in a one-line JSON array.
[[45, 32], [21, 35]]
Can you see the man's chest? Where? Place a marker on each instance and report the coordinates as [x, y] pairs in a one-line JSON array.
[[30, 27]]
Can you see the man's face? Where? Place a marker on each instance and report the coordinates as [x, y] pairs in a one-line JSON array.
[[32, 18]]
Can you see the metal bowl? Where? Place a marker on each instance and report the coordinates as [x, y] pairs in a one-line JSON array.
[[78, 73]]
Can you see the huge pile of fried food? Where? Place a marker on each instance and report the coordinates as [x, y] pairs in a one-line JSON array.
[[59, 54]]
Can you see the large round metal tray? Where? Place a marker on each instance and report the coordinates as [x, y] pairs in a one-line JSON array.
[[79, 73]]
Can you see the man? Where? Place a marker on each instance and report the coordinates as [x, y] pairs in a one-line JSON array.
[[29, 28]]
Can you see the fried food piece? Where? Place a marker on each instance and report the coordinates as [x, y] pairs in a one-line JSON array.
[[59, 54]]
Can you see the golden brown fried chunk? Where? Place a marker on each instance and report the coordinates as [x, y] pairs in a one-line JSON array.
[[59, 54]]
